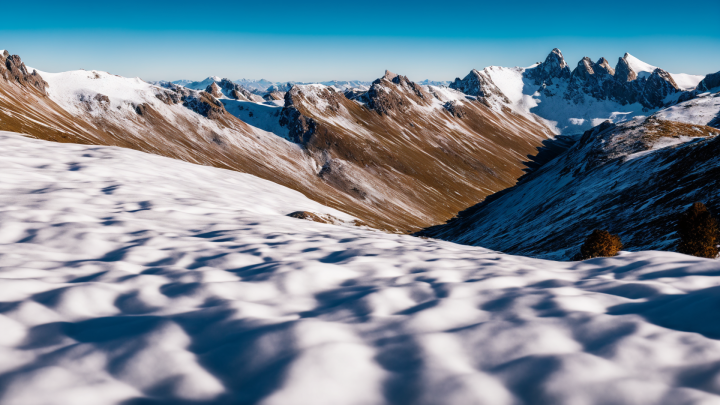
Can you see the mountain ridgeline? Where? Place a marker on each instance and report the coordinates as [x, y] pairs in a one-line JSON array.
[[400, 157], [620, 147]]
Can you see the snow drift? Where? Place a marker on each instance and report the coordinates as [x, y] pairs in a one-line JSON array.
[[128, 278]]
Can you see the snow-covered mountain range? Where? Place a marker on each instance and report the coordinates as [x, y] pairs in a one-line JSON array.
[[575, 100], [403, 158], [155, 247]]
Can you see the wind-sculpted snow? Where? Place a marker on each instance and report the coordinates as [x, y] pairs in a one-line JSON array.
[[127, 278]]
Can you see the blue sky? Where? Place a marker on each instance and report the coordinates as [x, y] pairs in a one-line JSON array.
[[324, 40]]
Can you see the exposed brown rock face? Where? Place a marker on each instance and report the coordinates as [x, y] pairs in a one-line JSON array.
[[274, 95], [12, 68], [214, 90], [480, 85], [233, 90], [658, 86], [404, 151]]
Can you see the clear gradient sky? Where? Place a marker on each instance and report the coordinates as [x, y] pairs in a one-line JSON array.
[[323, 40]]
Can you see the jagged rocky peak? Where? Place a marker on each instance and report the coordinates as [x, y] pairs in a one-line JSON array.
[[584, 69], [214, 90], [479, 84], [13, 69], [384, 97], [554, 67], [602, 65], [623, 70], [659, 85], [389, 75]]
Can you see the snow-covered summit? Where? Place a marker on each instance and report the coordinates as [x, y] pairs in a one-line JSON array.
[[576, 100]]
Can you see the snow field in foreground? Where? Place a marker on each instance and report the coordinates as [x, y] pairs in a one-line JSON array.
[[136, 279]]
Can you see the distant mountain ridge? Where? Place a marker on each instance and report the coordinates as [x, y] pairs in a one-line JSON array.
[[265, 86], [580, 98]]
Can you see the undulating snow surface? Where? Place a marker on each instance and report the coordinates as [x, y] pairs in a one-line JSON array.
[[131, 278]]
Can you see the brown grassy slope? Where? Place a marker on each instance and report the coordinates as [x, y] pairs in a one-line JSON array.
[[411, 166], [413, 161]]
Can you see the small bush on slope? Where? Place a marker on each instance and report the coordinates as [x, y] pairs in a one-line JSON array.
[[698, 232], [600, 244]]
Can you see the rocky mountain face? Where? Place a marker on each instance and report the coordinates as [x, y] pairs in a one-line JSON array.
[[600, 81], [480, 85], [631, 178], [227, 88], [711, 82], [399, 157], [574, 100], [416, 152]]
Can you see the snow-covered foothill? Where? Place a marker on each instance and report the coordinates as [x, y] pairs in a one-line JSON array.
[[70, 89], [260, 115], [130, 278], [702, 110]]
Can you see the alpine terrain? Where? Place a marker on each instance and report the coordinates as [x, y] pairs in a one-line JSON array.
[[393, 242]]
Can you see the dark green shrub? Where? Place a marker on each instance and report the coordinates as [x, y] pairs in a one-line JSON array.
[[600, 244], [698, 232]]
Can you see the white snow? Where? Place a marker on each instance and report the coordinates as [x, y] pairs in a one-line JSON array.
[[126, 276], [702, 110], [643, 70], [68, 88], [686, 81]]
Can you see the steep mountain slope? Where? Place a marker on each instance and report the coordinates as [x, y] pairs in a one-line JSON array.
[[578, 99], [129, 279], [419, 152], [631, 178], [98, 108], [402, 159]]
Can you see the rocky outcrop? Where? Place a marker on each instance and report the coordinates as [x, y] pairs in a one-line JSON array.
[[214, 90], [711, 82], [599, 81], [590, 78], [300, 127], [480, 85], [396, 93], [455, 108], [205, 105], [657, 88], [274, 95], [554, 68], [13, 69]]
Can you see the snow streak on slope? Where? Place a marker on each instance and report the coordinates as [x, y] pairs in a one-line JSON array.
[[632, 179], [703, 110], [644, 70], [131, 278]]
